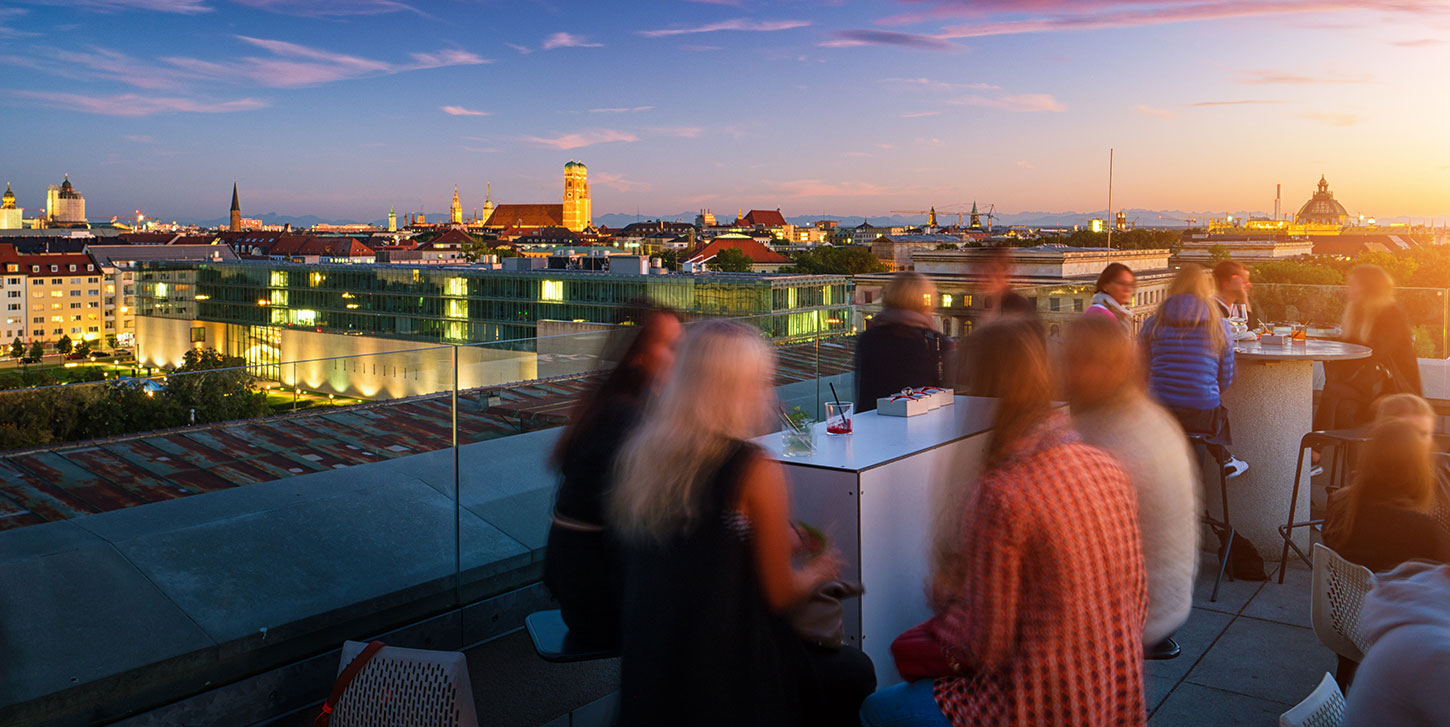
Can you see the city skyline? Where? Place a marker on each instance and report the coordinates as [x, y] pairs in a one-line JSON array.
[[344, 109]]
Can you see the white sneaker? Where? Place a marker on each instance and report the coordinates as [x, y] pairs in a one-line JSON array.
[[1235, 467]]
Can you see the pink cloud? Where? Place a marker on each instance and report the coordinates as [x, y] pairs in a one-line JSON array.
[[461, 111], [684, 132], [856, 38], [1067, 15], [568, 40], [1264, 78], [919, 114], [325, 8], [1025, 102], [762, 26], [582, 139], [1155, 112], [617, 182], [292, 65], [131, 104]]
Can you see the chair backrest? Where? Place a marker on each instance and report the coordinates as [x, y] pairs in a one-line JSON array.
[[406, 687], [1339, 589], [1324, 707]]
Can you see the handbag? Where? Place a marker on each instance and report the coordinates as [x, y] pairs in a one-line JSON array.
[[345, 679], [920, 655], [820, 619]]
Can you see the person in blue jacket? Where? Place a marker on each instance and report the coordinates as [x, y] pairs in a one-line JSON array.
[[1190, 352]]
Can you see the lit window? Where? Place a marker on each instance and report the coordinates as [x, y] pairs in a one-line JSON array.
[[552, 290], [946, 300]]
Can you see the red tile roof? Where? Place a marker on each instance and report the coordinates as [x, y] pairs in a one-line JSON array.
[[758, 253], [527, 215], [764, 218]]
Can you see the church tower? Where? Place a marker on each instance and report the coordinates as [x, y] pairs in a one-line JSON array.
[[10, 215], [392, 219], [487, 204], [455, 210], [577, 213], [976, 217], [236, 222]]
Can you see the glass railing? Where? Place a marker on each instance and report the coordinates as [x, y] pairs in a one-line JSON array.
[[1323, 306], [176, 529]]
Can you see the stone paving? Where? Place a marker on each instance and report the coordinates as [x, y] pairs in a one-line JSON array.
[[1246, 658]]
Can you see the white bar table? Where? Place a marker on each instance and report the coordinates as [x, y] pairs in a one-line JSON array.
[[873, 493], [1270, 409]]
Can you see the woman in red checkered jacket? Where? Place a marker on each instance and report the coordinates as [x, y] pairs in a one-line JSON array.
[[1039, 590]]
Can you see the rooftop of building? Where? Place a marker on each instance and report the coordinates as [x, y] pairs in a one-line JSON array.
[[759, 254]]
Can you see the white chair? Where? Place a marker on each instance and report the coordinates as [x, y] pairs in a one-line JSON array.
[[1339, 589], [406, 688], [1324, 707]]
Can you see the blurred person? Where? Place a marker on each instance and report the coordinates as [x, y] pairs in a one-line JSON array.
[[702, 517], [1113, 296], [1191, 362], [1385, 517], [1038, 590], [1112, 411], [901, 347], [1233, 284], [1372, 318], [1409, 407], [580, 566], [997, 285], [1406, 626]]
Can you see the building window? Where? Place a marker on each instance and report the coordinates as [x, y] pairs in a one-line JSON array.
[[1054, 304], [75, 305], [552, 291], [946, 300], [1077, 305], [75, 281], [93, 292], [198, 335], [72, 268], [38, 319], [55, 268], [75, 294]]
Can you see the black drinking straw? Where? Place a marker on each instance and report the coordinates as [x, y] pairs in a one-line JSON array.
[[838, 400]]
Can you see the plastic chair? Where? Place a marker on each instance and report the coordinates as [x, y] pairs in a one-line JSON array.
[[1200, 441], [1339, 589], [1324, 707], [1343, 442], [552, 641], [406, 687]]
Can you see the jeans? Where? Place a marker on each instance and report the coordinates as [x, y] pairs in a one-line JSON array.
[[903, 705]]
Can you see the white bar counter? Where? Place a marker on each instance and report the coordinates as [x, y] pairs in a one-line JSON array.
[[874, 493]]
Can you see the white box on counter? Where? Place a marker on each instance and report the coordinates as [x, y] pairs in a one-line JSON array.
[[903, 405], [938, 397]]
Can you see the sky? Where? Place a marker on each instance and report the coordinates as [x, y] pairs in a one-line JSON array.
[[345, 108]]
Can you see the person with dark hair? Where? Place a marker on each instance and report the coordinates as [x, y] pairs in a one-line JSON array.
[[901, 347], [1371, 318], [1232, 285], [580, 564], [1114, 295], [1038, 588], [998, 285]]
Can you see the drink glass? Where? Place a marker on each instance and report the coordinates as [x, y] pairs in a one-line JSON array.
[[1300, 334], [796, 443], [838, 417]]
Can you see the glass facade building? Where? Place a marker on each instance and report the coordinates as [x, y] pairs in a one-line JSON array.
[[462, 305]]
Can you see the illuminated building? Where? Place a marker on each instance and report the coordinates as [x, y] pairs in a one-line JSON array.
[[304, 311], [64, 206], [117, 264], [236, 221], [455, 210], [1322, 208], [392, 220], [487, 203], [574, 214], [50, 295], [11, 217]]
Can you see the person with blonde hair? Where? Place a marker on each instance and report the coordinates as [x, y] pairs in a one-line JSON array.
[[1190, 354], [1111, 411], [702, 516], [1384, 517], [901, 347], [1372, 318], [1038, 595]]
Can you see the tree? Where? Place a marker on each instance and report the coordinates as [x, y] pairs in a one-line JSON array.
[[17, 348], [64, 345], [949, 246], [670, 259], [828, 260], [730, 260], [84, 348], [216, 386], [111, 340], [37, 350], [1217, 253]]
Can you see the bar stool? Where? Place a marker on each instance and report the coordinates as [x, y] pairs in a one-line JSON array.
[[1200, 441], [1343, 442]]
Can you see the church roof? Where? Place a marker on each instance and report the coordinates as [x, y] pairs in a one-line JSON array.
[[758, 253], [1322, 207], [527, 215], [764, 218]]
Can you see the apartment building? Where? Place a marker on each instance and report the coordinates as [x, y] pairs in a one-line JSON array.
[[50, 295]]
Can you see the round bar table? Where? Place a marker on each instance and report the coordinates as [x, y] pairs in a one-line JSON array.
[[1270, 408]]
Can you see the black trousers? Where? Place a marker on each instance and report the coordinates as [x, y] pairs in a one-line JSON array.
[[581, 571], [1213, 423], [845, 678]]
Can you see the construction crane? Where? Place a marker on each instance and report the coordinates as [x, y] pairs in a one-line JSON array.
[[1190, 221], [931, 214]]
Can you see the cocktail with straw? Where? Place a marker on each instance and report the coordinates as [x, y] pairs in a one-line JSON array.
[[838, 414], [797, 436]]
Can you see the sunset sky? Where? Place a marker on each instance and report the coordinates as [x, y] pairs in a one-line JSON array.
[[343, 108]]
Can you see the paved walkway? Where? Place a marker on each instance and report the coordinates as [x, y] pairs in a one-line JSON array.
[[1246, 658]]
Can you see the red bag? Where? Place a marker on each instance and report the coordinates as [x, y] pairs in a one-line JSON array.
[[919, 655]]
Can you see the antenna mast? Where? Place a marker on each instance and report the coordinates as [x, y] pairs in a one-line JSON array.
[[1111, 222]]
